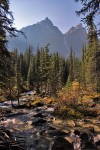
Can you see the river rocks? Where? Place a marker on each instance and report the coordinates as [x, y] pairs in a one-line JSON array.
[[66, 131], [69, 139], [84, 141], [36, 104], [42, 144], [96, 138], [45, 131], [8, 141], [84, 137], [11, 121], [96, 99], [79, 123], [96, 128], [38, 121], [57, 121], [76, 132], [59, 143], [88, 146], [92, 125], [39, 115], [98, 144], [29, 122], [14, 114], [4, 111], [55, 133], [71, 123]]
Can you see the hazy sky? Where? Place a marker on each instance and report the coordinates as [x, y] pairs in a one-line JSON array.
[[60, 12]]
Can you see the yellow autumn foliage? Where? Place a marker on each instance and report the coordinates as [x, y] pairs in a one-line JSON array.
[[48, 100], [75, 85]]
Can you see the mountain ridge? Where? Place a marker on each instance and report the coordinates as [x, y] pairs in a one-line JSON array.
[[44, 32]]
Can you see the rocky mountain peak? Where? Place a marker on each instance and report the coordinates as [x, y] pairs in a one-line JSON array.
[[46, 21], [73, 29], [44, 32], [79, 25]]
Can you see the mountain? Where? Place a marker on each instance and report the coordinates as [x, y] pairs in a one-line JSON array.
[[75, 37], [44, 32]]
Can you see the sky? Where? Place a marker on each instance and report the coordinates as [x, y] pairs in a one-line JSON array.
[[60, 12]]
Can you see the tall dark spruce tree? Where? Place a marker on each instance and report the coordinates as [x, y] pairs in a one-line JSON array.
[[6, 27], [70, 62], [93, 60]]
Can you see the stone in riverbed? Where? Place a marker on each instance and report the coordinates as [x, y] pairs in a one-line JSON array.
[[84, 137], [76, 132], [51, 128], [98, 144], [29, 122], [59, 143], [96, 128], [88, 146], [71, 123], [55, 133], [38, 121], [38, 115]]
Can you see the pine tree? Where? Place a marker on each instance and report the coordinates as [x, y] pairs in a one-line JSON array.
[[22, 66], [37, 71], [77, 68], [71, 67], [18, 79], [92, 59], [6, 27], [31, 71], [47, 67], [83, 69]]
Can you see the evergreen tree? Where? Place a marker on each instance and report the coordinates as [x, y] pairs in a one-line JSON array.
[[83, 69], [92, 59], [27, 58], [18, 79], [6, 27], [77, 68], [31, 71], [37, 71], [71, 67], [44, 68], [22, 66]]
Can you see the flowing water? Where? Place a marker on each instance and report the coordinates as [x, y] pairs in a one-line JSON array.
[[39, 127]]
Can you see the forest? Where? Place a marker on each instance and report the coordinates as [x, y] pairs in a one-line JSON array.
[[66, 91], [49, 73]]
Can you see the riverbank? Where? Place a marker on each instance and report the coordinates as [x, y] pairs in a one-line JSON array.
[[43, 130]]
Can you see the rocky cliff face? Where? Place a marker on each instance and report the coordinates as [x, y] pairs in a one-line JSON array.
[[44, 32]]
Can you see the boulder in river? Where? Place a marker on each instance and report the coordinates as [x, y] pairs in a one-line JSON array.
[[59, 143], [56, 133], [39, 115], [38, 121]]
